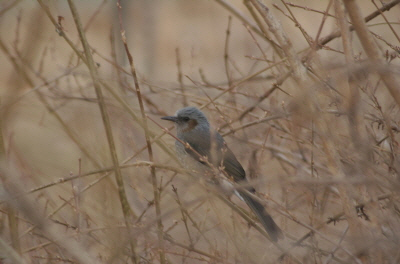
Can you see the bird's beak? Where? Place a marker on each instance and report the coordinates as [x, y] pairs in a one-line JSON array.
[[170, 118]]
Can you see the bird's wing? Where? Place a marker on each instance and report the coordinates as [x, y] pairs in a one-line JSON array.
[[200, 150], [218, 154], [199, 143], [232, 166]]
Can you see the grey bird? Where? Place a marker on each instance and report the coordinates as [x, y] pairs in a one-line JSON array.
[[209, 149]]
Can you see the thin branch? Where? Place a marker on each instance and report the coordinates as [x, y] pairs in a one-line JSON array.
[[148, 143], [371, 49], [276, 28], [245, 21], [387, 22], [368, 18], [180, 79], [127, 211]]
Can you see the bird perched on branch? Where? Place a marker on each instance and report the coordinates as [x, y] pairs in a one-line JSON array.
[[203, 150]]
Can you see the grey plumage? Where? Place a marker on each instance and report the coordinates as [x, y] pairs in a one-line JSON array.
[[193, 128]]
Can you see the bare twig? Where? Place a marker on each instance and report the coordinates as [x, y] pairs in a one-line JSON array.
[[371, 49], [226, 52], [126, 209], [10, 253], [368, 18], [387, 22], [149, 147], [283, 40], [180, 79], [50, 230], [241, 17]]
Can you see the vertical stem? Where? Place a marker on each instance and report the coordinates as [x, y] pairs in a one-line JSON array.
[[226, 50], [107, 125], [369, 46], [283, 40], [180, 79], [11, 213], [148, 142]]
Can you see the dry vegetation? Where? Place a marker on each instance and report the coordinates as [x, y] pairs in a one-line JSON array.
[[305, 94]]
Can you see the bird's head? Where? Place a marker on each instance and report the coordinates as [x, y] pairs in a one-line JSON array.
[[189, 119]]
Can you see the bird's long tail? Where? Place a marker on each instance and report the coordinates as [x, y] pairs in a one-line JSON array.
[[266, 220]]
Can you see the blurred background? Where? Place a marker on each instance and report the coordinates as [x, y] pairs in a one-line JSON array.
[[319, 141]]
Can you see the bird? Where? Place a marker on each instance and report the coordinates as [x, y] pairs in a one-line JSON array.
[[202, 149]]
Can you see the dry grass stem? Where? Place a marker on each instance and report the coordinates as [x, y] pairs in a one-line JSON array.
[[305, 94]]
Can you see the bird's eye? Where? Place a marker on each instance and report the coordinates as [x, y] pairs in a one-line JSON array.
[[185, 118]]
